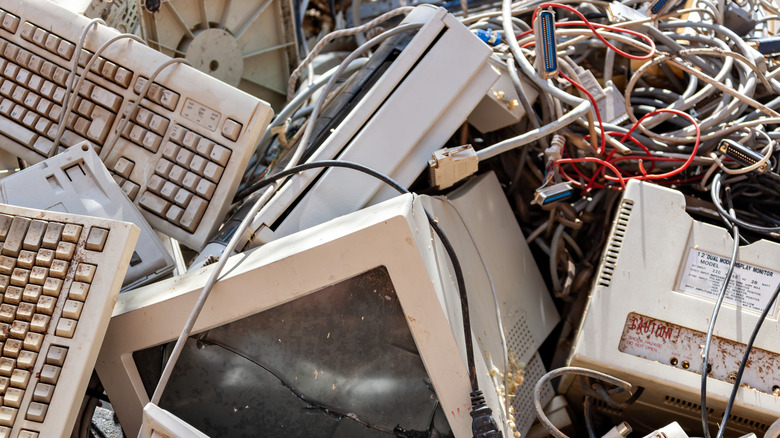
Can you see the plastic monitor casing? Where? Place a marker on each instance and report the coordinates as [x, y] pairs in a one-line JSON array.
[[648, 312], [394, 234], [411, 111]]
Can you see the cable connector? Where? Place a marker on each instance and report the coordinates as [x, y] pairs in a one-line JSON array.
[[554, 193], [489, 36], [659, 7], [483, 425], [620, 431], [742, 154], [546, 44], [450, 165]]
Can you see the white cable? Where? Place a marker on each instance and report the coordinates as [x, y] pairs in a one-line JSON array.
[[296, 74], [69, 82], [530, 136]]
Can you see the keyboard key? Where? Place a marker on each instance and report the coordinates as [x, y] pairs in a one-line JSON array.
[[123, 167], [96, 239], [43, 393], [85, 272], [16, 234], [65, 328], [37, 412], [7, 414], [52, 287], [71, 233], [58, 269], [53, 235], [56, 355], [154, 203], [231, 129], [50, 373], [13, 396], [193, 214], [72, 309]]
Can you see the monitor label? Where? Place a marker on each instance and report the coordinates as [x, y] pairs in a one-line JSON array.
[[750, 287], [681, 347]]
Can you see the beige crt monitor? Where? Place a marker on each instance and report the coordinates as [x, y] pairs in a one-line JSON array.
[[648, 313], [359, 316]]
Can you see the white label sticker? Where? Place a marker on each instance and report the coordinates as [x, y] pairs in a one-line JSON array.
[[750, 287]]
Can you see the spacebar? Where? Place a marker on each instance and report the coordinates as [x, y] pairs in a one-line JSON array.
[[17, 132]]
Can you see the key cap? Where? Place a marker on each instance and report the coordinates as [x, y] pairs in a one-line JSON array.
[[56, 355], [50, 373], [96, 239], [13, 396], [193, 214], [32, 292], [231, 129], [124, 167], [153, 203], [52, 235], [106, 98], [65, 328], [220, 155], [39, 323], [72, 309], [37, 412], [43, 393], [16, 234], [71, 233], [85, 272], [18, 133]]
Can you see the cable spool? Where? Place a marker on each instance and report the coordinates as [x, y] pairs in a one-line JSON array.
[[119, 14], [249, 44]]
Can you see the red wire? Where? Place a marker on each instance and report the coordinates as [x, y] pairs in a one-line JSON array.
[[593, 26], [619, 178], [595, 108], [609, 161]]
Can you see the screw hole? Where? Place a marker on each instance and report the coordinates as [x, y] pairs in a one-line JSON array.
[[213, 65]]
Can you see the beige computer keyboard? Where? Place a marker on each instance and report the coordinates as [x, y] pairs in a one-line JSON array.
[[182, 154], [60, 275]]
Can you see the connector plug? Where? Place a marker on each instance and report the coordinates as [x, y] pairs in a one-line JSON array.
[[554, 193], [483, 425], [546, 44], [620, 431], [659, 7], [742, 154], [450, 165], [489, 36]]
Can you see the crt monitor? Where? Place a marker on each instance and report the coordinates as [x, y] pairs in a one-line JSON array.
[[348, 328]]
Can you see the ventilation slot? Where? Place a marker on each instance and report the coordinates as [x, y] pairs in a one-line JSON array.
[[523, 402], [520, 339], [684, 404], [615, 243], [755, 425]]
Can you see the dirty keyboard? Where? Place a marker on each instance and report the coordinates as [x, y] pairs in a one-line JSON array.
[[181, 155], [60, 275]]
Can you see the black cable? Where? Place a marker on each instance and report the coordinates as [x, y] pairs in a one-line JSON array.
[[713, 318], [464, 302], [715, 193], [743, 364]]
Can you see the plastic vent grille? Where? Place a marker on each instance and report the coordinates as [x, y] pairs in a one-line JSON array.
[[520, 338], [523, 402], [615, 243], [755, 426]]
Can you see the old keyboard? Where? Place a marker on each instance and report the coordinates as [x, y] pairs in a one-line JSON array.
[[60, 275], [181, 156]]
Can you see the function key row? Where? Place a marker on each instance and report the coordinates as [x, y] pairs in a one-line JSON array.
[[157, 94], [47, 40], [8, 21], [107, 69]]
